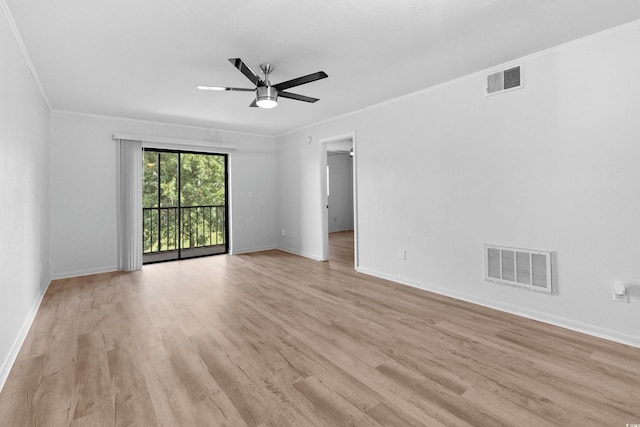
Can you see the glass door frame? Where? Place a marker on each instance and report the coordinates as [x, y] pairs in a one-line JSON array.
[[168, 255]]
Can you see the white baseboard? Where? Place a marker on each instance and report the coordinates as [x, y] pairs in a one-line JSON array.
[[249, 250], [303, 254], [562, 322], [10, 359], [78, 273]]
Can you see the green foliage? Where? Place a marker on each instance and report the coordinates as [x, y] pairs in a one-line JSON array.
[[168, 180], [203, 180], [202, 195], [150, 164]]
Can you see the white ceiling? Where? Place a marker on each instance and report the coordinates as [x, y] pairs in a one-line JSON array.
[[143, 58]]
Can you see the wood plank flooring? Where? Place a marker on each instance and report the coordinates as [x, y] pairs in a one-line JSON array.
[[272, 339]]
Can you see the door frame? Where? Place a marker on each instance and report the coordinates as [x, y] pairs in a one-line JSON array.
[[324, 202], [227, 207]]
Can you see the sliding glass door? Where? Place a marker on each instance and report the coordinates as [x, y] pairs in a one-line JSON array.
[[184, 205]]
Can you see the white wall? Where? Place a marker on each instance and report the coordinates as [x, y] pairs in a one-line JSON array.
[[340, 192], [300, 197], [552, 166], [83, 188], [24, 208]]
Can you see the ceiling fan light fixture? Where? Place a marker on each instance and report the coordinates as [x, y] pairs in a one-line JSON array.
[[266, 96]]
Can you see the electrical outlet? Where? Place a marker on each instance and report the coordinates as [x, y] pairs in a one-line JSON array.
[[620, 292], [402, 254], [283, 233], [621, 298]]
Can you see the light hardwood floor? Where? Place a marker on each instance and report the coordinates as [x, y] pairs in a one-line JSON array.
[[273, 339]]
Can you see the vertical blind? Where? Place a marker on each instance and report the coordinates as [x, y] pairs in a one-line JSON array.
[[129, 187]]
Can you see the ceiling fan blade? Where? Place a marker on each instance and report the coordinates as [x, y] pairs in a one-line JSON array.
[[234, 89], [253, 104], [297, 97], [301, 80], [248, 72]]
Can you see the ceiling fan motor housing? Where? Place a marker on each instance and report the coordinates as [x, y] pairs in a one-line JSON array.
[[267, 96]]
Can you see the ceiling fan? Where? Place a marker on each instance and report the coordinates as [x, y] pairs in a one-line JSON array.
[[266, 93]]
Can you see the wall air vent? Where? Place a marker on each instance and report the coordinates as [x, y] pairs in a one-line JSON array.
[[504, 80], [524, 268]]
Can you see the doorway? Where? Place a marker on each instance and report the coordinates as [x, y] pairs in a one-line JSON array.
[[339, 193], [184, 206]]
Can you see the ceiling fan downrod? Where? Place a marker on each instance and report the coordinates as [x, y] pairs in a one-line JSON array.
[[266, 96], [266, 69]]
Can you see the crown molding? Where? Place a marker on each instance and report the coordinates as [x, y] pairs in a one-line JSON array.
[[16, 34]]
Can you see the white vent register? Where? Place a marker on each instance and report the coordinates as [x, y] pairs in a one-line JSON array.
[[504, 80], [524, 268]]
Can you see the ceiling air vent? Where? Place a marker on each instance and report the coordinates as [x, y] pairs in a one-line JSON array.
[[504, 80]]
